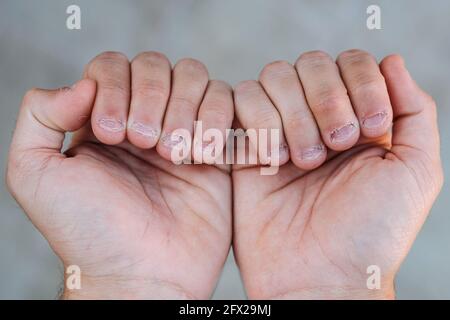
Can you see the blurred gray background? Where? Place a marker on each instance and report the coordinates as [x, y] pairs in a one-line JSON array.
[[234, 38]]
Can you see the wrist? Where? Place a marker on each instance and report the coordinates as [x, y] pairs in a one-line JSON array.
[[125, 289], [337, 294]]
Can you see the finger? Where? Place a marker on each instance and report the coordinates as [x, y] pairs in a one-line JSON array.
[[415, 138], [111, 70], [367, 91], [281, 83], [256, 113], [151, 76], [44, 117], [215, 116], [328, 100], [190, 79]]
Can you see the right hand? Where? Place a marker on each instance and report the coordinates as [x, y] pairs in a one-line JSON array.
[[137, 225]]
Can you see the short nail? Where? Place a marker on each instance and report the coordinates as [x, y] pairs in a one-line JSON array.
[[375, 121], [208, 145], [208, 150], [112, 125], [282, 151], [172, 140], [145, 130], [312, 153], [343, 133]]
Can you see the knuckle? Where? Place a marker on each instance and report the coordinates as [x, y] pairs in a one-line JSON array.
[[297, 119], [313, 58], [107, 63], [355, 57], [217, 112], [219, 92], [329, 99], [112, 56], [218, 100], [150, 58], [152, 88], [192, 66], [265, 118], [115, 85], [247, 86], [184, 103], [363, 80], [219, 85], [276, 69]]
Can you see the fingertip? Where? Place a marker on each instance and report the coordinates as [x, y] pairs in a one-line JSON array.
[[174, 147], [377, 125], [84, 92], [141, 135], [110, 130], [342, 138], [278, 156], [72, 106], [309, 158], [163, 151]]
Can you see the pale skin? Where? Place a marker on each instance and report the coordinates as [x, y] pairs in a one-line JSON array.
[[313, 233], [350, 193], [137, 225]]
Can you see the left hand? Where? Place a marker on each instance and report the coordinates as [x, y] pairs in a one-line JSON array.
[[350, 194]]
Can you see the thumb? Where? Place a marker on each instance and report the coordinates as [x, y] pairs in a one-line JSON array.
[[44, 117], [415, 139]]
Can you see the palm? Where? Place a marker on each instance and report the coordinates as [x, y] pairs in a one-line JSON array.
[[321, 229], [138, 215]]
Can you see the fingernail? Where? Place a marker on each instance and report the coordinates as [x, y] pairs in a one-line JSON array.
[[207, 149], [343, 133], [172, 140], [375, 121], [312, 153], [283, 151], [208, 145], [145, 130], [112, 125]]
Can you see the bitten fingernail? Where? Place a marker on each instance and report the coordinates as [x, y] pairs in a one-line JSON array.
[[342, 134], [112, 125], [375, 121]]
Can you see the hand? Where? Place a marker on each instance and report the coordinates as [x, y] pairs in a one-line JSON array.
[[350, 195], [137, 225]]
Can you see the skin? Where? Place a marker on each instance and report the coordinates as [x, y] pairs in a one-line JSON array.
[[137, 225], [350, 193], [345, 199]]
